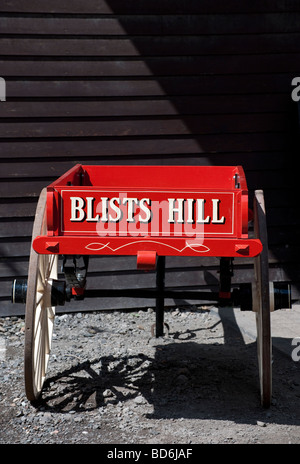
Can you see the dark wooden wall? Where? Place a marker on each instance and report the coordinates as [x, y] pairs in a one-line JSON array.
[[148, 82]]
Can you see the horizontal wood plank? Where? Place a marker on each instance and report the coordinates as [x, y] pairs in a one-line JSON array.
[[58, 166], [148, 148], [17, 209], [162, 106], [170, 85], [206, 124], [17, 188], [148, 66], [152, 45], [94, 7], [168, 24]]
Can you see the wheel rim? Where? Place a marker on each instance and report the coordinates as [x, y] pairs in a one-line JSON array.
[[39, 316], [262, 302]]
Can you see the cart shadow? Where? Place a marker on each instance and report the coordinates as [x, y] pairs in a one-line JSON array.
[[184, 379]]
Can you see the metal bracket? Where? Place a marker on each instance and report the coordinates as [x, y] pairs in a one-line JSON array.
[[75, 270]]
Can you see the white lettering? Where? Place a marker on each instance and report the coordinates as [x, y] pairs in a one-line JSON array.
[[116, 209], [177, 211], [173, 210], [200, 212], [130, 212], [145, 210], [77, 205], [126, 454], [171, 453], [104, 201], [190, 218], [90, 210], [215, 218]]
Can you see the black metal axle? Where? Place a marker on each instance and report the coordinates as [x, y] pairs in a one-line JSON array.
[[152, 293], [239, 296]]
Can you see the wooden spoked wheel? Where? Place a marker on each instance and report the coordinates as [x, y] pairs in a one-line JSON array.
[[261, 300], [39, 316]]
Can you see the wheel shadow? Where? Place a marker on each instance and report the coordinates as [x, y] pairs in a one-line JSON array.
[[184, 379]]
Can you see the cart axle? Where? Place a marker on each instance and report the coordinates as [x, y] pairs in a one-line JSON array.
[[280, 294], [19, 291]]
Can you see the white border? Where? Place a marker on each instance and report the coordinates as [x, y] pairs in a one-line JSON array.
[[149, 191]]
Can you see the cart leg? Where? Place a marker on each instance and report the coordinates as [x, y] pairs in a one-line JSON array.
[[225, 281], [160, 285]]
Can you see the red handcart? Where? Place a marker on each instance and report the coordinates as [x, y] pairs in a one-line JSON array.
[[150, 212]]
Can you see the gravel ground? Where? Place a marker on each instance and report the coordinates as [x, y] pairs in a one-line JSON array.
[[110, 382]]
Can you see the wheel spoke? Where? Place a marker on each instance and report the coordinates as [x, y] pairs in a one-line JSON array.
[[40, 296], [40, 281], [37, 358], [37, 319], [51, 313], [47, 338], [50, 266], [39, 350]]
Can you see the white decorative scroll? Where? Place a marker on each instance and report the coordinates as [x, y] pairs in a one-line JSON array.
[[197, 247]]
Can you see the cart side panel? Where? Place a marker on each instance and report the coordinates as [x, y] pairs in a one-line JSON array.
[[153, 213]]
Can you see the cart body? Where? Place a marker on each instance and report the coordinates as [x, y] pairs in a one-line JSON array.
[[159, 210]]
